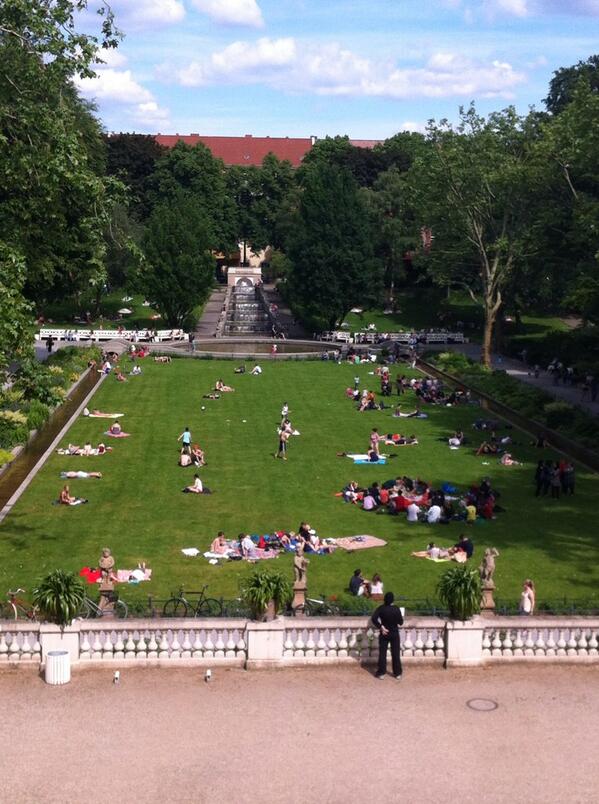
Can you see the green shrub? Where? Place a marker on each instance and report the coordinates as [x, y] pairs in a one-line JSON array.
[[5, 456], [558, 414], [37, 414], [459, 589], [12, 434]]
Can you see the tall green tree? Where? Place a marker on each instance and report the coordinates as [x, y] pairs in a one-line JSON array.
[[178, 270], [473, 190], [16, 321], [564, 82], [333, 266], [199, 175]]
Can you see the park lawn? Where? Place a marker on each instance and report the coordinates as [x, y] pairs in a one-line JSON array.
[[138, 510]]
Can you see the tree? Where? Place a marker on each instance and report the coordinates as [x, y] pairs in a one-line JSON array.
[[198, 174], [16, 323], [565, 80], [55, 200], [132, 158], [473, 189], [333, 266], [178, 270]]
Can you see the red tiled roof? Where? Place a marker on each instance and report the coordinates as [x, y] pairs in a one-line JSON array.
[[246, 150], [366, 143]]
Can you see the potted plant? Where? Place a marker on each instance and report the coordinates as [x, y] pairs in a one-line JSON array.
[[264, 590], [59, 596], [459, 590]]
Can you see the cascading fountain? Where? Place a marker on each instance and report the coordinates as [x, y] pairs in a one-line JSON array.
[[246, 313]]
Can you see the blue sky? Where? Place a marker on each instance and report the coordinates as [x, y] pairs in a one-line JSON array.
[[366, 68]]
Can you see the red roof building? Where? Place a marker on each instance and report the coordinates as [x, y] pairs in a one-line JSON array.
[[246, 150]]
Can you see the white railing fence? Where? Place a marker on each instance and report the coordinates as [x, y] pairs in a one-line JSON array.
[[286, 642]]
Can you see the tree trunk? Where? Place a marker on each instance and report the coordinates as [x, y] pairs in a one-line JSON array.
[[487, 348]]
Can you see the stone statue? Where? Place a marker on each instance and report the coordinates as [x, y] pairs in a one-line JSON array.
[[300, 564], [106, 564], [487, 567]]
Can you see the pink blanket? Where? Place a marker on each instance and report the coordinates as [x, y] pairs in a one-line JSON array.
[[350, 543], [117, 435], [123, 575]]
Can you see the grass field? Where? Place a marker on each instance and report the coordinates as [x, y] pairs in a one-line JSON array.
[[139, 511]]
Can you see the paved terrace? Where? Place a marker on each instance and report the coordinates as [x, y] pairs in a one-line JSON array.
[[314, 735]]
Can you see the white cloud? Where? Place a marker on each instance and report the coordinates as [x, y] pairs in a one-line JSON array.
[[232, 12], [110, 57], [151, 115], [114, 85], [134, 14], [329, 69], [497, 9], [413, 126]]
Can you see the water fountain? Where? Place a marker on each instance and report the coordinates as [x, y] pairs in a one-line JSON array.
[[246, 313]]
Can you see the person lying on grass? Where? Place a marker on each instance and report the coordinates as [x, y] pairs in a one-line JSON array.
[[225, 389], [120, 377], [85, 451], [432, 551], [80, 475], [399, 414], [65, 497]]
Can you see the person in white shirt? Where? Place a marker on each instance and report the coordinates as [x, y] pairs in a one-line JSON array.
[[256, 370], [433, 514], [196, 487], [376, 585], [413, 512], [369, 503], [247, 546]]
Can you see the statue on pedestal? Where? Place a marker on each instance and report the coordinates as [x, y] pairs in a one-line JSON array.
[[487, 570], [106, 564], [300, 564]]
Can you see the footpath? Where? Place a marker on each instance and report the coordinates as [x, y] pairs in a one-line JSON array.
[[524, 373]]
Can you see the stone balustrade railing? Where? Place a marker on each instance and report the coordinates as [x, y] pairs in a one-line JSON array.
[[547, 639], [305, 642]]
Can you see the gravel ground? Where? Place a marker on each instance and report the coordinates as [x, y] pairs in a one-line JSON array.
[[301, 735]]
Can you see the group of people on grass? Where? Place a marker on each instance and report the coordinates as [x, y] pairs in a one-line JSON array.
[[461, 551], [359, 586], [555, 478], [422, 503]]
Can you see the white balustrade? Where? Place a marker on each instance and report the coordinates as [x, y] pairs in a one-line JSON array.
[[19, 643], [548, 639]]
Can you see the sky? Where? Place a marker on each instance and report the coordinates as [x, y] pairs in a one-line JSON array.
[[365, 68]]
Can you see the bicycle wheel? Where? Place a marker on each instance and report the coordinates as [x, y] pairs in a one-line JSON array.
[[7, 612], [175, 607], [85, 611], [121, 610], [210, 607]]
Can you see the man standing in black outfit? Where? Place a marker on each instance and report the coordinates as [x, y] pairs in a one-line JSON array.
[[387, 618]]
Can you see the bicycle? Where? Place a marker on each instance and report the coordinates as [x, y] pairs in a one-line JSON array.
[[90, 609], [316, 607], [16, 607], [180, 606]]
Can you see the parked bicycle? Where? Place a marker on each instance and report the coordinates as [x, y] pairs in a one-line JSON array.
[[317, 607], [90, 609], [180, 606], [16, 607]]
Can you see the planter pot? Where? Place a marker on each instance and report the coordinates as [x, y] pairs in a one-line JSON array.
[[464, 643]]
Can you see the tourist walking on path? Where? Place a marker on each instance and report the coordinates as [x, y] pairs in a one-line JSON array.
[[387, 618]]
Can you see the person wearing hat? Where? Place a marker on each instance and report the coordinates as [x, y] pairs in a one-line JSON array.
[[388, 618]]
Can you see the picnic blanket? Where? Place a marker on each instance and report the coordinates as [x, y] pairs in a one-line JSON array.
[[362, 457], [352, 543], [97, 414], [117, 435]]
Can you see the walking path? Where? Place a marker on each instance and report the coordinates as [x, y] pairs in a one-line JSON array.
[[522, 372], [302, 735], [206, 327]]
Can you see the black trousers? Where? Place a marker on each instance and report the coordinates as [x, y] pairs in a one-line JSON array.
[[392, 640]]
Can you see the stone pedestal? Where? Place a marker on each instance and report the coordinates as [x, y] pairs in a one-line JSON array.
[[107, 598], [487, 605], [464, 643], [299, 594]]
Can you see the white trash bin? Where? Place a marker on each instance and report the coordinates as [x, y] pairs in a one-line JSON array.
[[58, 667]]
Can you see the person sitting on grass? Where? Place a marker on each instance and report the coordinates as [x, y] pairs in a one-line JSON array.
[[376, 585], [239, 370], [120, 377], [135, 371], [256, 370], [456, 439], [246, 546], [197, 487], [65, 497], [369, 502], [220, 386], [464, 546], [115, 429], [357, 584], [184, 458], [219, 546], [508, 460], [197, 456], [352, 493], [488, 448]]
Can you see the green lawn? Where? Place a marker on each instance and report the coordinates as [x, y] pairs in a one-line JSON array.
[[139, 511]]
